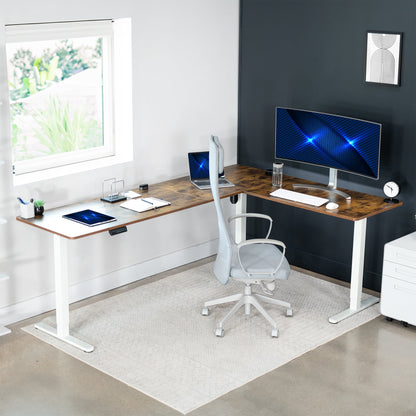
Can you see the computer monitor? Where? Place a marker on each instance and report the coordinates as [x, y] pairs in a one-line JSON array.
[[334, 141]]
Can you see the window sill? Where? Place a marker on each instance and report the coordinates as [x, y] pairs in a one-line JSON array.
[[47, 174]]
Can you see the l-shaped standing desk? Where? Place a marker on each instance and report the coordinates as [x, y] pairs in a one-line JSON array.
[[183, 195]]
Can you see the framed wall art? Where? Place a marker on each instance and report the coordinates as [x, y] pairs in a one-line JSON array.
[[383, 57]]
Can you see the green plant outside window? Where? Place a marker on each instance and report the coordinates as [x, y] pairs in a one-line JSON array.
[[56, 100]]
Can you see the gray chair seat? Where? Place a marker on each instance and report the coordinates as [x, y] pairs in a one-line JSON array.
[[260, 261]]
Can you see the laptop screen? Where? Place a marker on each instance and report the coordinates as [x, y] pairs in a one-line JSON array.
[[198, 165]]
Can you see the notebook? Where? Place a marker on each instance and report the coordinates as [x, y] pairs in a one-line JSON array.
[[144, 204], [199, 171]]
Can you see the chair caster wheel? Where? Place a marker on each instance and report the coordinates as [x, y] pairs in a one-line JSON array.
[[205, 311], [405, 324], [289, 312], [275, 333], [219, 332]]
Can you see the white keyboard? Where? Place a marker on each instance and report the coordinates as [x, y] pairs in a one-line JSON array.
[[316, 201]]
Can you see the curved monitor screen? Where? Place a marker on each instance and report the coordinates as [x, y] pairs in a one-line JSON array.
[[329, 140]]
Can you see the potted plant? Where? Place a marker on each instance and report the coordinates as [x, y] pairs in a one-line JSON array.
[[39, 207]]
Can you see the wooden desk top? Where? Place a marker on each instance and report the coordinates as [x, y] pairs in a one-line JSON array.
[[183, 195], [179, 192], [256, 183]]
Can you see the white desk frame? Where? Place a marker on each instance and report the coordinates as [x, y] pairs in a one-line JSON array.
[[62, 296], [60, 246], [61, 263], [357, 264], [357, 270]]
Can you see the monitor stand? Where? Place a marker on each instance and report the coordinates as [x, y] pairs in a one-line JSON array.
[[331, 187]]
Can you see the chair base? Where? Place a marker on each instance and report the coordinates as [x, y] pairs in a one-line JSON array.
[[247, 299]]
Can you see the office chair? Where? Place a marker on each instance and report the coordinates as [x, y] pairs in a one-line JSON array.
[[257, 261]]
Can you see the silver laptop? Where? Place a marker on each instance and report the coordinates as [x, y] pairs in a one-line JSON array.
[[199, 171]]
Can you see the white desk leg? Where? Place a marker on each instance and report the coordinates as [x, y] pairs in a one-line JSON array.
[[357, 269], [62, 298], [240, 223]]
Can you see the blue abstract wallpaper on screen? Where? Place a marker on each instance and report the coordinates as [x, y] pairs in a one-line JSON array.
[[329, 140], [199, 165]]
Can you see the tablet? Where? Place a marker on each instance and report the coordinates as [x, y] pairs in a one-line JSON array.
[[89, 217]]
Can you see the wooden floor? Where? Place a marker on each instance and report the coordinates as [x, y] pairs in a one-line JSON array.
[[368, 371]]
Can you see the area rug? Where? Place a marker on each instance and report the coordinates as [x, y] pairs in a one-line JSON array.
[[154, 338]]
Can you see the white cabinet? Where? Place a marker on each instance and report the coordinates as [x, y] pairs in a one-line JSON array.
[[398, 288]]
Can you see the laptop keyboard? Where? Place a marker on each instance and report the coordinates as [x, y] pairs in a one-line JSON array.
[[207, 182]]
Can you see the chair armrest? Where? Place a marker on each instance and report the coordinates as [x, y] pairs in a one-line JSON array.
[[261, 241], [254, 215]]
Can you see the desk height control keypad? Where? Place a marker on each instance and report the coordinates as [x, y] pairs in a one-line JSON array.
[[118, 230]]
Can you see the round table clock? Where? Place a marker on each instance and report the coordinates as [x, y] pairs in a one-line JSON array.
[[391, 190]]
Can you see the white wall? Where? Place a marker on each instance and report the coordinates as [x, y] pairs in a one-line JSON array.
[[185, 68]]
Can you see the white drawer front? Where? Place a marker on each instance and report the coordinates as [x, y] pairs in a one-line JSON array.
[[398, 300], [400, 255], [399, 271]]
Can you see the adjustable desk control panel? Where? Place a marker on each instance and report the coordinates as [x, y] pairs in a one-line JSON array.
[[118, 230]]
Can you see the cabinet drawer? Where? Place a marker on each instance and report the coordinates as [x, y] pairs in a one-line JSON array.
[[399, 271], [398, 300], [400, 255]]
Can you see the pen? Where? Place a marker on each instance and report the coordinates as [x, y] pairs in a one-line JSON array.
[[148, 202], [21, 200]]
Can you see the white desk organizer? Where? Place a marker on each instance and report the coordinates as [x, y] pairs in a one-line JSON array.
[[113, 190], [27, 210]]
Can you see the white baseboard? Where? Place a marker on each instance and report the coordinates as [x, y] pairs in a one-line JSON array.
[[4, 331], [100, 284]]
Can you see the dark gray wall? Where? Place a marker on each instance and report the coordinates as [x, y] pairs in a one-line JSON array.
[[310, 54]]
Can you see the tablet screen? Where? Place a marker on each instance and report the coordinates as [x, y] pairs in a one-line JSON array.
[[89, 217]]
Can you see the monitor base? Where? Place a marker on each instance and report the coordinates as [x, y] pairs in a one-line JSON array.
[[331, 187], [323, 188]]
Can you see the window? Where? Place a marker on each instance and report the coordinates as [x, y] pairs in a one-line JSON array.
[[62, 93]]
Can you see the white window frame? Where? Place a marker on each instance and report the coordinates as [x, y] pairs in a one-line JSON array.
[[117, 99]]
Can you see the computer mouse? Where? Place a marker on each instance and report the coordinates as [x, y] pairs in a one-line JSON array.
[[331, 205]]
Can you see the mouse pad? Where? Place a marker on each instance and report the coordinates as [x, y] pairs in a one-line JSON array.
[[89, 217]]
